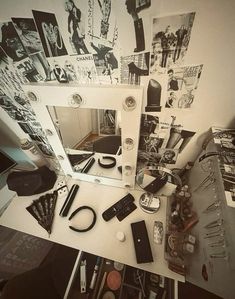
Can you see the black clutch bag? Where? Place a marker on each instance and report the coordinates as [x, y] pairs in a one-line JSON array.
[[141, 242], [26, 183]]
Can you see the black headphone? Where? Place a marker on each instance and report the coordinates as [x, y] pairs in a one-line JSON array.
[[90, 226]]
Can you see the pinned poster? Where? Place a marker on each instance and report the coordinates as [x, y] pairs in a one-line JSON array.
[[170, 41], [30, 38], [133, 67], [49, 32], [78, 68], [182, 85], [17, 54]]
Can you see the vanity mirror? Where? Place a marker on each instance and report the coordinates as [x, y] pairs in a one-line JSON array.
[[93, 130]]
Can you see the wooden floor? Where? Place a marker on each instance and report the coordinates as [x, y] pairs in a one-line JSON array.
[[87, 141]]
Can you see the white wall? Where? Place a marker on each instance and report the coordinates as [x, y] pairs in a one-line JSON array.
[[212, 44]]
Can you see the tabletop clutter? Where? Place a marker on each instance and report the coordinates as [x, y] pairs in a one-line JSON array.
[[178, 241], [101, 278]]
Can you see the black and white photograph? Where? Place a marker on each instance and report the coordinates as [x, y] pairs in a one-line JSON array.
[[42, 66], [147, 159], [229, 169], [182, 85], [170, 41], [46, 149], [17, 54], [86, 69], [20, 111], [133, 67], [107, 64], [227, 140], [148, 141], [179, 138], [229, 183], [58, 65], [49, 32], [102, 26], [28, 34], [157, 135], [154, 93], [27, 69], [228, 175], [75, 15], [149, 124], [79, 68], [11, 43], [221, 134], [168, 156], [150, 144], [11, 80], [142, 4], [4, 59], [107, 120], [39, 138], [30, 38], [134, 8], [8, 106], [227, 158]]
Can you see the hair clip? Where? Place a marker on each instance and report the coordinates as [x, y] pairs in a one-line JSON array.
[[210, 180], [214, 206], [220, 243], [215, 223], [219, 255]]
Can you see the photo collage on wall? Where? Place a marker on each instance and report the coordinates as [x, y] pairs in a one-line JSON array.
[[16, 53], [28, 34], [81, 42], [13, 58]]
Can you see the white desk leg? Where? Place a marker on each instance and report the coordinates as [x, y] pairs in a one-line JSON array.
[[175, 289], [74, 271]]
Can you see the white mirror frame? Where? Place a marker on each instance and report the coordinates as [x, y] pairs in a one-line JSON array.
[[96, 97]]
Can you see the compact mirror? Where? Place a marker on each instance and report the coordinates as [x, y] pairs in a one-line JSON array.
[[93, 130], [149, 203]]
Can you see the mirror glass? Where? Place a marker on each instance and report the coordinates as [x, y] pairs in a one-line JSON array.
[[87, 133]]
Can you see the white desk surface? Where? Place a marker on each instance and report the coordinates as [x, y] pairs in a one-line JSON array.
[[101, 239]]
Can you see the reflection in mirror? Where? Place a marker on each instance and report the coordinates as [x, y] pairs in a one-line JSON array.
[[87, 134]]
